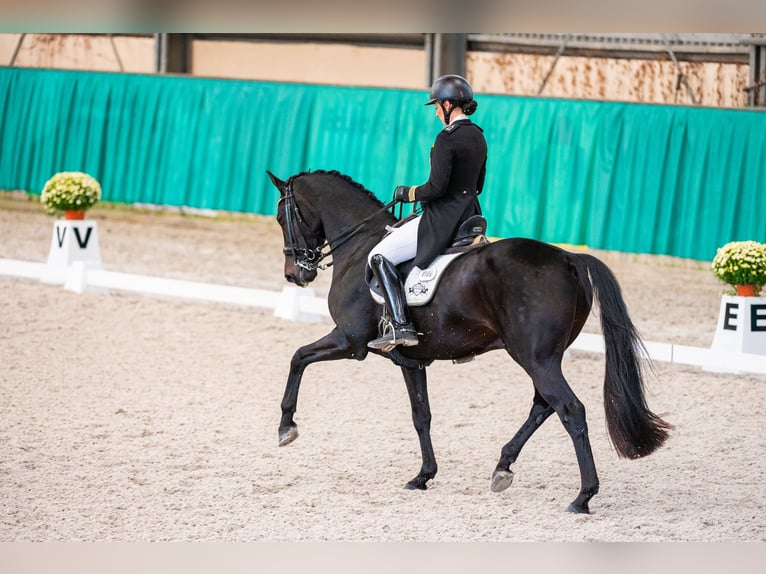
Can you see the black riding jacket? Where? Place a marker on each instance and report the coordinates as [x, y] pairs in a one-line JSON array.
[[458, 167]]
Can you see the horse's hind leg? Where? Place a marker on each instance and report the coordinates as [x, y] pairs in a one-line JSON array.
[[502, 477], [553, 388], [417, 390]]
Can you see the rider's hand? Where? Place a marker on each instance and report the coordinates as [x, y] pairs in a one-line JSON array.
[[402, 194]]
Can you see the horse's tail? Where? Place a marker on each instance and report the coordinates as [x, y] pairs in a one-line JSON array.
[[634, 430]]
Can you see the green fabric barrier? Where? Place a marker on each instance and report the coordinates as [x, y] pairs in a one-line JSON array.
[[629, 177], [196, 142]]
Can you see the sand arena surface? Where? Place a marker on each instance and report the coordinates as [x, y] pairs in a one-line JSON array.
[[134, 418]]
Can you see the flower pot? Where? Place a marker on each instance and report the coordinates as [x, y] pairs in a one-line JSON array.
[[746, 290], [73, 214]]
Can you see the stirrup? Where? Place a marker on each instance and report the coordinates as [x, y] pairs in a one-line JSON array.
[[394, 335]]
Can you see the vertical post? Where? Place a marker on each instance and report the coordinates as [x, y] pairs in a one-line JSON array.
[[751, 77], [429, 51], [159, 58], [445, 54], [172, 53], [756, 89], [760, 83], [436, 68]]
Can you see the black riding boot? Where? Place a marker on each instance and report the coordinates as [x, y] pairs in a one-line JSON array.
[[400, 331]]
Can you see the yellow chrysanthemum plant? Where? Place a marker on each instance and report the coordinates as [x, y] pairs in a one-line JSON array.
[[70, 191], [741, 263]]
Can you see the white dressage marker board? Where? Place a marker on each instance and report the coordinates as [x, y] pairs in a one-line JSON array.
[[72, 241], [741, 325]]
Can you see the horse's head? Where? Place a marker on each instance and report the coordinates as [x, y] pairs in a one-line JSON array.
[[303, 238]]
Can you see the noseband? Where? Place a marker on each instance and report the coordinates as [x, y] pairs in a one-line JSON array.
[[309, 258]]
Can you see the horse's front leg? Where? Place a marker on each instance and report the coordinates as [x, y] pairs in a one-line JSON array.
[[421, 417], [332, 346]]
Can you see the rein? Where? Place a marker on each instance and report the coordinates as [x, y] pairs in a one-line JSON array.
[[310, 258]]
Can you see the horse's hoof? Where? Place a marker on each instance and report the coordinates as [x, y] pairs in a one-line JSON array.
[[578, 509], [287, 435], [416, 484], [501, 479]]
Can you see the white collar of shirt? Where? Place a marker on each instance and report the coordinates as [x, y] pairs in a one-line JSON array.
[[456, 118]]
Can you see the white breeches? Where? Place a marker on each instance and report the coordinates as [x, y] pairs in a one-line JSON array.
[[400, 245]]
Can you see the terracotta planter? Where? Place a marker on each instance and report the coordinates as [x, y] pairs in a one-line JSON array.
[[746, 290], [72, 214]]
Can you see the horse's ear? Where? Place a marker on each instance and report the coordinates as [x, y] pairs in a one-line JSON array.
[[278, 183]]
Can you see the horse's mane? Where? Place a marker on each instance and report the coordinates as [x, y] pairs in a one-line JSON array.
[[339, 175]]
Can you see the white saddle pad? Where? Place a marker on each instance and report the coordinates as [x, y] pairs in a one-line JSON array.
[[420, 284]]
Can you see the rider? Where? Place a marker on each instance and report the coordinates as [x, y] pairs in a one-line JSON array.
[[448, 198]]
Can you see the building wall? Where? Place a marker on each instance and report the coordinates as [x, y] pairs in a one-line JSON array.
[[650, 81], [310, 63], [80, 52]]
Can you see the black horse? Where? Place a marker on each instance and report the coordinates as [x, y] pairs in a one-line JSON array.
[[525, 296]]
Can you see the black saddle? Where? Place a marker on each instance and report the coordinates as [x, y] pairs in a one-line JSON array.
[[473, 227]]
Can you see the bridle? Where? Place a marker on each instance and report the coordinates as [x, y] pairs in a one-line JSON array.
[[310, 258]]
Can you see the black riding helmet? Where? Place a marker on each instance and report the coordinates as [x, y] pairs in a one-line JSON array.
[[457, 90]]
